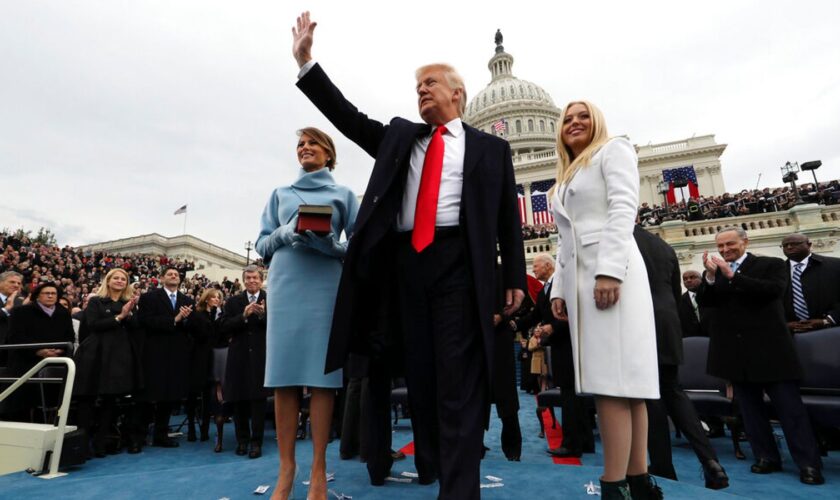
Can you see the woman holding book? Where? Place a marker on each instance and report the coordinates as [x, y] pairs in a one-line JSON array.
[[304, 270]]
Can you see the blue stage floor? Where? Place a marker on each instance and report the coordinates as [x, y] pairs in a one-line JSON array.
[[194, 471]]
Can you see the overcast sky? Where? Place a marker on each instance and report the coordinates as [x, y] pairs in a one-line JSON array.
[[115, 113]]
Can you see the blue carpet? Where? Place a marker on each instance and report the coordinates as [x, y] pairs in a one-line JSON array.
[[194, 471]]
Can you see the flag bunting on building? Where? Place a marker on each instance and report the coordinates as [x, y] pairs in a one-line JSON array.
[[674, 175], [500, 126], [540, 203], [520, 199]]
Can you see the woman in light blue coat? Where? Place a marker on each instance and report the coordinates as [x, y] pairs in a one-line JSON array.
[[303, 274]]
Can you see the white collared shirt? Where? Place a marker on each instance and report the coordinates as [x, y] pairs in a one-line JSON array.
[[804, 263], [451, 179]]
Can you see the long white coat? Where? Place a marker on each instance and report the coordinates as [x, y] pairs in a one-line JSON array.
[[614, 350]]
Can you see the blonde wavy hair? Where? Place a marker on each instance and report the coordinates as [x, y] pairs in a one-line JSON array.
[[567, 163], [127, 293]]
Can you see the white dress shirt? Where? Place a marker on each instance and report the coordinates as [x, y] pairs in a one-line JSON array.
[[804, 263], [451, 179]]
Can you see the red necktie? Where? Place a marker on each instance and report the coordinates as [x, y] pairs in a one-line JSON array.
[[425, 213]]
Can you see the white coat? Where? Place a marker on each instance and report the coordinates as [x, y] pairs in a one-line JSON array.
[[614, 350]]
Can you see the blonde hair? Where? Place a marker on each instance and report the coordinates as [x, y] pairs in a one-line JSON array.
[[127, 292], [453, 79], [567, 163], [202, 302]]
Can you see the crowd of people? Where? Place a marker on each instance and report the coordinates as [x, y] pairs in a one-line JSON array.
[[746, 202], [532, 232]]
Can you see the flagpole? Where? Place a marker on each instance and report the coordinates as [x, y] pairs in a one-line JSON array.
[[185, 222]]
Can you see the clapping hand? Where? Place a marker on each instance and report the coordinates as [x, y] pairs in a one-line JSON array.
[[257, 308], [128, 308], [183, 313], [302, 39], [712, 263], [10, 302]]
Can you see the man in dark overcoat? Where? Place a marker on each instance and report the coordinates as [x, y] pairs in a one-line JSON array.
[[244, 323], [440, 200], [750, 346], [163, 315]]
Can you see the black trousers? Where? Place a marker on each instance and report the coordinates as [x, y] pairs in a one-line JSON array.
[[375, 442], [675, 404], [796, 425], [577, 431], [446, 370], [253, 411]]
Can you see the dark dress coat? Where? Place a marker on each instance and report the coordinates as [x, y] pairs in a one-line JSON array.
[[503, 377], [4, 327], [663, 270], [489, 216], [245, 373], [166, 350], [749, 340], [205, 333], [691, 326], [108, 360], [820, 286], [560, 341]]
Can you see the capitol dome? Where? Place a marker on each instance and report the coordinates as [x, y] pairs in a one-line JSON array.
[[518, 110]]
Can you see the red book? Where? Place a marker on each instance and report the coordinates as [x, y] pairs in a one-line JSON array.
[[315, 218]]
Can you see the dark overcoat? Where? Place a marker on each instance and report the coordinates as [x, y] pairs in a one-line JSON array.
[[245, 373], [166, 349]]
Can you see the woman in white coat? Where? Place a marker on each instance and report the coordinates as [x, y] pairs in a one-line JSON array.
[[601, 285]]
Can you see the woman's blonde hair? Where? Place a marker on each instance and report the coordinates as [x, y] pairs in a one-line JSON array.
[[202, 302], [567, 163], [127, 292]]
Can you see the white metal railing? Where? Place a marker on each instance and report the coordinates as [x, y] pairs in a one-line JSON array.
[[58, 442]]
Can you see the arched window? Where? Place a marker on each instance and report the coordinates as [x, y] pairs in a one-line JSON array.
[[503, 92], [551, 126], [542, 125], [518, 126], [530, 125]]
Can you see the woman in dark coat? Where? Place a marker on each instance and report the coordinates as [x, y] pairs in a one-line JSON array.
[[108, 360], [205, 333], [40, 321]]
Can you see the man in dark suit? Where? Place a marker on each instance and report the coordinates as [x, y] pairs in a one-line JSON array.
[[577, 433], [663, 271], [164, 316], [812, 298], [750, 346], [10, 284], [244, 323], [693, 320], [440, 199]]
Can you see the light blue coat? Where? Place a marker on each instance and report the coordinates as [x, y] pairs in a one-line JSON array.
[[302, 283]]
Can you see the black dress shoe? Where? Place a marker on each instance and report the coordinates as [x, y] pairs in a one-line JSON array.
[[165, 443], [426, 480], [256, 451], [397, 455], [716, 478], [242, 449], [563, 452], [541, 435], [810, 475], [589, 448], [134, 449], [764, 466]]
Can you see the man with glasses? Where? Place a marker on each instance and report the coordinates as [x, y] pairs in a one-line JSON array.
[[812, 298]]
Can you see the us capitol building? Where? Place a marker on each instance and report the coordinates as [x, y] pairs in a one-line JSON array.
[[525, 114]]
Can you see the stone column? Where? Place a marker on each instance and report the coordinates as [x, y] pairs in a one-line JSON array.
[[529, 212]]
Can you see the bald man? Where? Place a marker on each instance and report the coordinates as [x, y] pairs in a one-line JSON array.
[[812, 298]]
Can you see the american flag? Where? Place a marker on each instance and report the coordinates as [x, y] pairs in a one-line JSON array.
[[500, 126], [520, 199], [681, 173], [181, 210], [539, 202]]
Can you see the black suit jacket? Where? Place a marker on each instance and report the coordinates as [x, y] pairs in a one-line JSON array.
[[4, 327], [691, 326], [749, 339], [489, 216], [820, 286], [31, 325], [166, 348], [663, 270]]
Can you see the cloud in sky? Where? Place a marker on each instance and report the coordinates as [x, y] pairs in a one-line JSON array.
[[117, 113]]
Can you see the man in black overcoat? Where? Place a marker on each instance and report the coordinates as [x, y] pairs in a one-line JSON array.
[[577, 432], [694, 320], [444, 223], [750, 346], [244, 323], [818, 306], [10, 284], [663, 269], [163, 315]]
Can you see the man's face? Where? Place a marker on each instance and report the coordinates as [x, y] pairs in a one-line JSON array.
[[436, 101], [253, 282], [541, 269], [171, 279], [10, 285], [48, 296], [731, 246], [691, 280], [796, 247]]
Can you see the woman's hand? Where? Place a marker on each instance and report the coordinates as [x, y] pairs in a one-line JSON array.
[[327, 245], [606, 292], [558, 309]]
